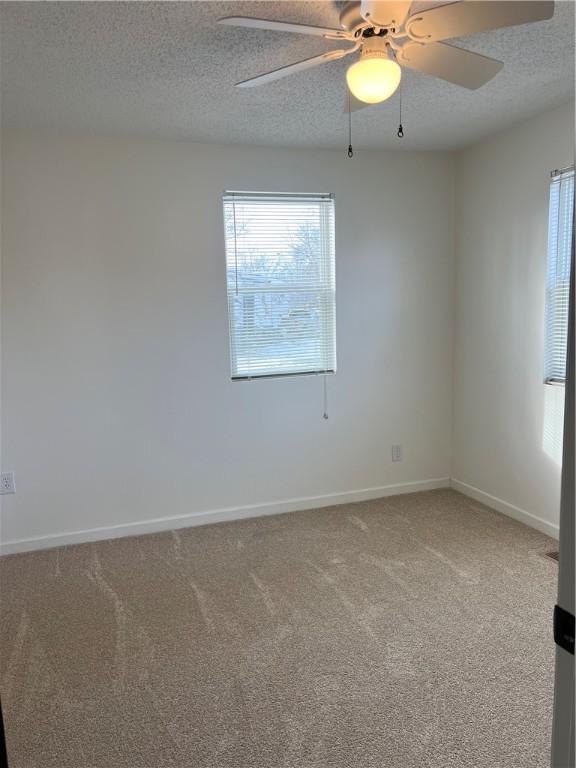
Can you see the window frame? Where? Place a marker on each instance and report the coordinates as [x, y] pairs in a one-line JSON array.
[[329, 289], [553, 263]]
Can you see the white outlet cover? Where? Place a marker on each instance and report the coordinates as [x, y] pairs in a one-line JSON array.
[[7, 483]]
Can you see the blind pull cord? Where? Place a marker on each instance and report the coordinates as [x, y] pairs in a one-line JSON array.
[[325, 395]]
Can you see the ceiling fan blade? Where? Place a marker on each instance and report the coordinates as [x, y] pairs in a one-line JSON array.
[[385, 13], [290, 69], [466, 18], [471, 70], [284, 26]]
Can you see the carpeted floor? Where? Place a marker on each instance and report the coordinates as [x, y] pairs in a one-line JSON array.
[[407, 632]]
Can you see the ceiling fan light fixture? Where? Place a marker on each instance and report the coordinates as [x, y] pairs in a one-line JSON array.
[[373, 79]]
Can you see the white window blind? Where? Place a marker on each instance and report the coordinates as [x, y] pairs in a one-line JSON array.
[[281, 283], [558, 274]]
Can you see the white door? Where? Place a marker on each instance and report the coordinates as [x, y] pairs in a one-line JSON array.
[[563, 724]]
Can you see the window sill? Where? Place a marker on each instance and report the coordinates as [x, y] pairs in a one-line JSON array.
[[258, 377]]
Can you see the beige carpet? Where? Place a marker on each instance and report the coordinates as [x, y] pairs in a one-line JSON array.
[[407, 632]]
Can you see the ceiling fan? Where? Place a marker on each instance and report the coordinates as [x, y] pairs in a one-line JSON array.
[[388, 38]]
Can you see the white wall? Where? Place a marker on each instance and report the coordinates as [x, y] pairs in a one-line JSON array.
[[507, 422], [117, 399]]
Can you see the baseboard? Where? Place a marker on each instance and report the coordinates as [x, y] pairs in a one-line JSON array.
[[506, 508], [14, 546]]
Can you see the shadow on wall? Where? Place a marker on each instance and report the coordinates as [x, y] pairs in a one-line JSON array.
[[553, 422]]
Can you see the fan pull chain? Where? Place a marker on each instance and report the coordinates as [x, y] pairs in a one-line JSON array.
[[350, 150], [400, 133]]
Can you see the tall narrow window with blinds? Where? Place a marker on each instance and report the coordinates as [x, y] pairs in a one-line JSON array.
[[281, 283], [560, 229]]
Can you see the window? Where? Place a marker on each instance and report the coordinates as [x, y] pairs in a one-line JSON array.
[[558, 274], [281, 284]]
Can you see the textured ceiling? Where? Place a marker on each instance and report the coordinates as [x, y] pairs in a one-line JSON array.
[[167, 69]]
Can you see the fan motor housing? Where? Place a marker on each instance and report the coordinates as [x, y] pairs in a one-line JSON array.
[[352, 21], [350, 18]]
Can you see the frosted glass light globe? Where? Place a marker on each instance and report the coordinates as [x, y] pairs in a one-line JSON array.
[[373, 79]]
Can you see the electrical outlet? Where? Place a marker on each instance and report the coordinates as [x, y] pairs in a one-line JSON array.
[[7, 483], [396, 453]]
